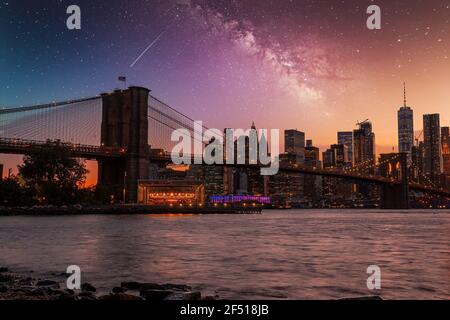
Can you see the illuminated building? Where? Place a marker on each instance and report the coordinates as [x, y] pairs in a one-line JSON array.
[[364, 156], [445, 138], [244, 180], [432, 146], [239, 199], [336, 157], [364, 147], [312, 184], [405, 117], [286, 189], [329, 162], [213, 179], [240, 181], [417, 162], [346, 138], [294, 141], [329, 158], [341, 154], [174, 192], [257, 183], [312, 155]]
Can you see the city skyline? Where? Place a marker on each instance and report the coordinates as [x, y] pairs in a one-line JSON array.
[[284, 67], [11, 161]]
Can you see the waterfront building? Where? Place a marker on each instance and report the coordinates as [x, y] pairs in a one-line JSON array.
[[286, 189], [171, 193], [241, 180], [256, 183], [335, 158], [213, 177], [432, 146]]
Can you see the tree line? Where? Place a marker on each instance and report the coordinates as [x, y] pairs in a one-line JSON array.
[[50, 176]]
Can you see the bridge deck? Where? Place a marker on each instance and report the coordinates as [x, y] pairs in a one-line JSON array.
[[20, 146]]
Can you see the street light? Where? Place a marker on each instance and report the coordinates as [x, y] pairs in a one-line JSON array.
[[124, 186]]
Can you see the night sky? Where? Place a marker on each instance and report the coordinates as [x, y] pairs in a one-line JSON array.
[[311, 65]]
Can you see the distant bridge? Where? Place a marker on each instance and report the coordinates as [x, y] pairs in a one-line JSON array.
[[91, 152]]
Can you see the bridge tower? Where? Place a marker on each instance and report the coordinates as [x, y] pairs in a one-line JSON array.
[[395, 195], [125, 126]]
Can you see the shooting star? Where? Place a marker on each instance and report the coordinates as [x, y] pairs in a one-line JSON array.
[[148, 48]]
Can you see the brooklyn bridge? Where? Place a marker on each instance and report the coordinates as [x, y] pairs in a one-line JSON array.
[[127, 130]]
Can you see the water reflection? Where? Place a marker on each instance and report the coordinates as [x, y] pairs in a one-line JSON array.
[[279, 254]]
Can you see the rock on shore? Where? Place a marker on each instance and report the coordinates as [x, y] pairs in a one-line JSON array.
[[17, 287]]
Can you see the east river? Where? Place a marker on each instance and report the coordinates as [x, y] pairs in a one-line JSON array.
[[280, 254]]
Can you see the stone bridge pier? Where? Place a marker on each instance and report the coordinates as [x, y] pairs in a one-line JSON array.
[[396, 195], [125, 125]]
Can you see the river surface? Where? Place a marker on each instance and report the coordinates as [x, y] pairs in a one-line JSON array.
[[280, 254]]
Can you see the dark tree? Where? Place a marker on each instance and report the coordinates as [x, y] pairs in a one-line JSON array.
[[55, 176], [13, 194], [108, 194]]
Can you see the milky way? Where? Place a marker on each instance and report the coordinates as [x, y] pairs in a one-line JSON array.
[[311, 65]]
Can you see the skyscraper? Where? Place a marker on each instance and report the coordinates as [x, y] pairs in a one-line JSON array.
[[329, 158], [417, 162], [294, 141], [313, 184], [312, 155], [364, 147], [341, 152], [405, 118], [445, 138], [432, 146], [329, 161], [346, 138]]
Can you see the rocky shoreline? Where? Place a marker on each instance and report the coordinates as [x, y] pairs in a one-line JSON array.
[[14, 286]]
